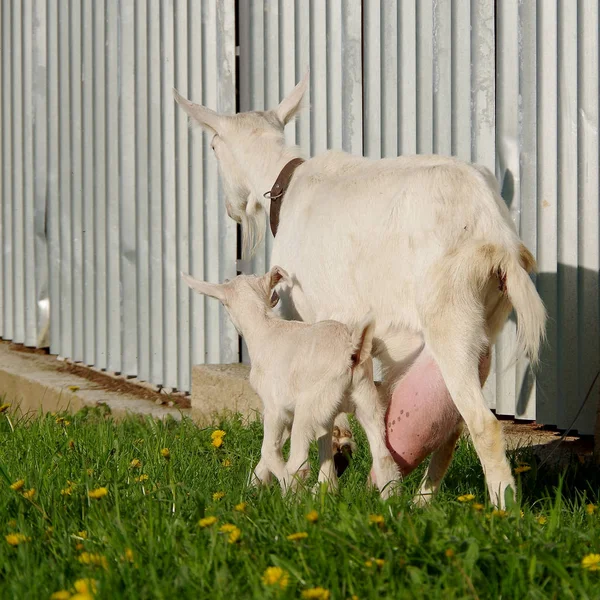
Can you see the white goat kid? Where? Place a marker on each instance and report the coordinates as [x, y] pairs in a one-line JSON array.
[[425, 242], [305, 375]]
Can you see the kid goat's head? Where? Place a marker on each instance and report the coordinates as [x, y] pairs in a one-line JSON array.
[[245, 296], [247, 146]]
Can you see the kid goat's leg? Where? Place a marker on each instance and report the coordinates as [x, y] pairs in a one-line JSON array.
[[271, 458], [370, 412], [455, 336]]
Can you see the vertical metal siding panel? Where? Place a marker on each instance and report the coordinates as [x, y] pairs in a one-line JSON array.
[[390, 126], [288, 74], [589, 242], [461, 79], [442, 77], [525, 391], [155, 168], [3, 198], [114, 362], [424, 21], [507, 127], [30, 326], [372, 79], [229, 339], [54, 174], [100, 234], [18, 223], [77, 199], [65, 233], [169, 258], [303, 61], [547, 198], [352, 84], [196, 167], [334, 59], [318, 51], [40, 169], [483, 87], [89, 175], [211, 187], [407, 65], [142, 177], [127, 190], [568, 259], [182, 183]]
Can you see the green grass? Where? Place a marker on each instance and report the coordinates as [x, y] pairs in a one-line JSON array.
[[449, 550]]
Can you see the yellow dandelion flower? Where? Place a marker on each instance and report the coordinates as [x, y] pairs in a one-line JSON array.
[[136, 463], [29, 494], [241, 507], [12, 523], [522, 469], [218, 433], [449, 553], [217, 442], [591, 562], [379, 562], [98, 493], [4, 407], [521, 514], [226, 463], [165, 453], [93, 559], [60, 595], [466, 498], [542, 520], [590, 509], [207, 521], [67, 491], [86, 586], [218, 495], [316, 593], [376, 520], [83, 535], [294, 537], [276, 576], [233, 531], [499, 513], [354, 597], [14, 539], [478, 506], [73, 388], [17, 485], [141, 478], [127, 555], [312, 516]]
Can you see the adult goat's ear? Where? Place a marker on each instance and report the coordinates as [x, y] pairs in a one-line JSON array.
[[214, 290], [291, 104], [277, 275], [205, 117]]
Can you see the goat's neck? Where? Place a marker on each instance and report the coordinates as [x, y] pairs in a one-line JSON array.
[[264, 168], [255, 327]]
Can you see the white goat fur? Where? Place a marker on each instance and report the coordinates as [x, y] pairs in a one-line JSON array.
[[305, 375], [418, 240]]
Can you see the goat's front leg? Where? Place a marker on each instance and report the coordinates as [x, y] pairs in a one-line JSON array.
[[297, 466], [271, 458]]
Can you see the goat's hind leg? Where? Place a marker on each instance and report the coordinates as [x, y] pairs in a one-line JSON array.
[[343, 443]]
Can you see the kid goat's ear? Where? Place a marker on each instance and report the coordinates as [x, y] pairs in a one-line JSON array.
[[214, 290], [277, 275]]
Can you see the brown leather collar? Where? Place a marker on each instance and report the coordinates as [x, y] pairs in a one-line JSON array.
[[278, 191]]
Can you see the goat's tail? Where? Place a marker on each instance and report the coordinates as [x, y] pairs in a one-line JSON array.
[[362, 340], [511, 267]]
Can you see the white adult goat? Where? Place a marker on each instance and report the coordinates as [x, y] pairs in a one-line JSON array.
[[305, 375], [425, 242]]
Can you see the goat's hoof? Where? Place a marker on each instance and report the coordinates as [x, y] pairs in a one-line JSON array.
[[422, 500], [343, 448]]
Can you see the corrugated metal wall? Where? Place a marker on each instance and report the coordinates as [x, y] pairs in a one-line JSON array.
[[101, 173]]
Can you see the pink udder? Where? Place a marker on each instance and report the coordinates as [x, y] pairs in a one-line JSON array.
[[422, 414]]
